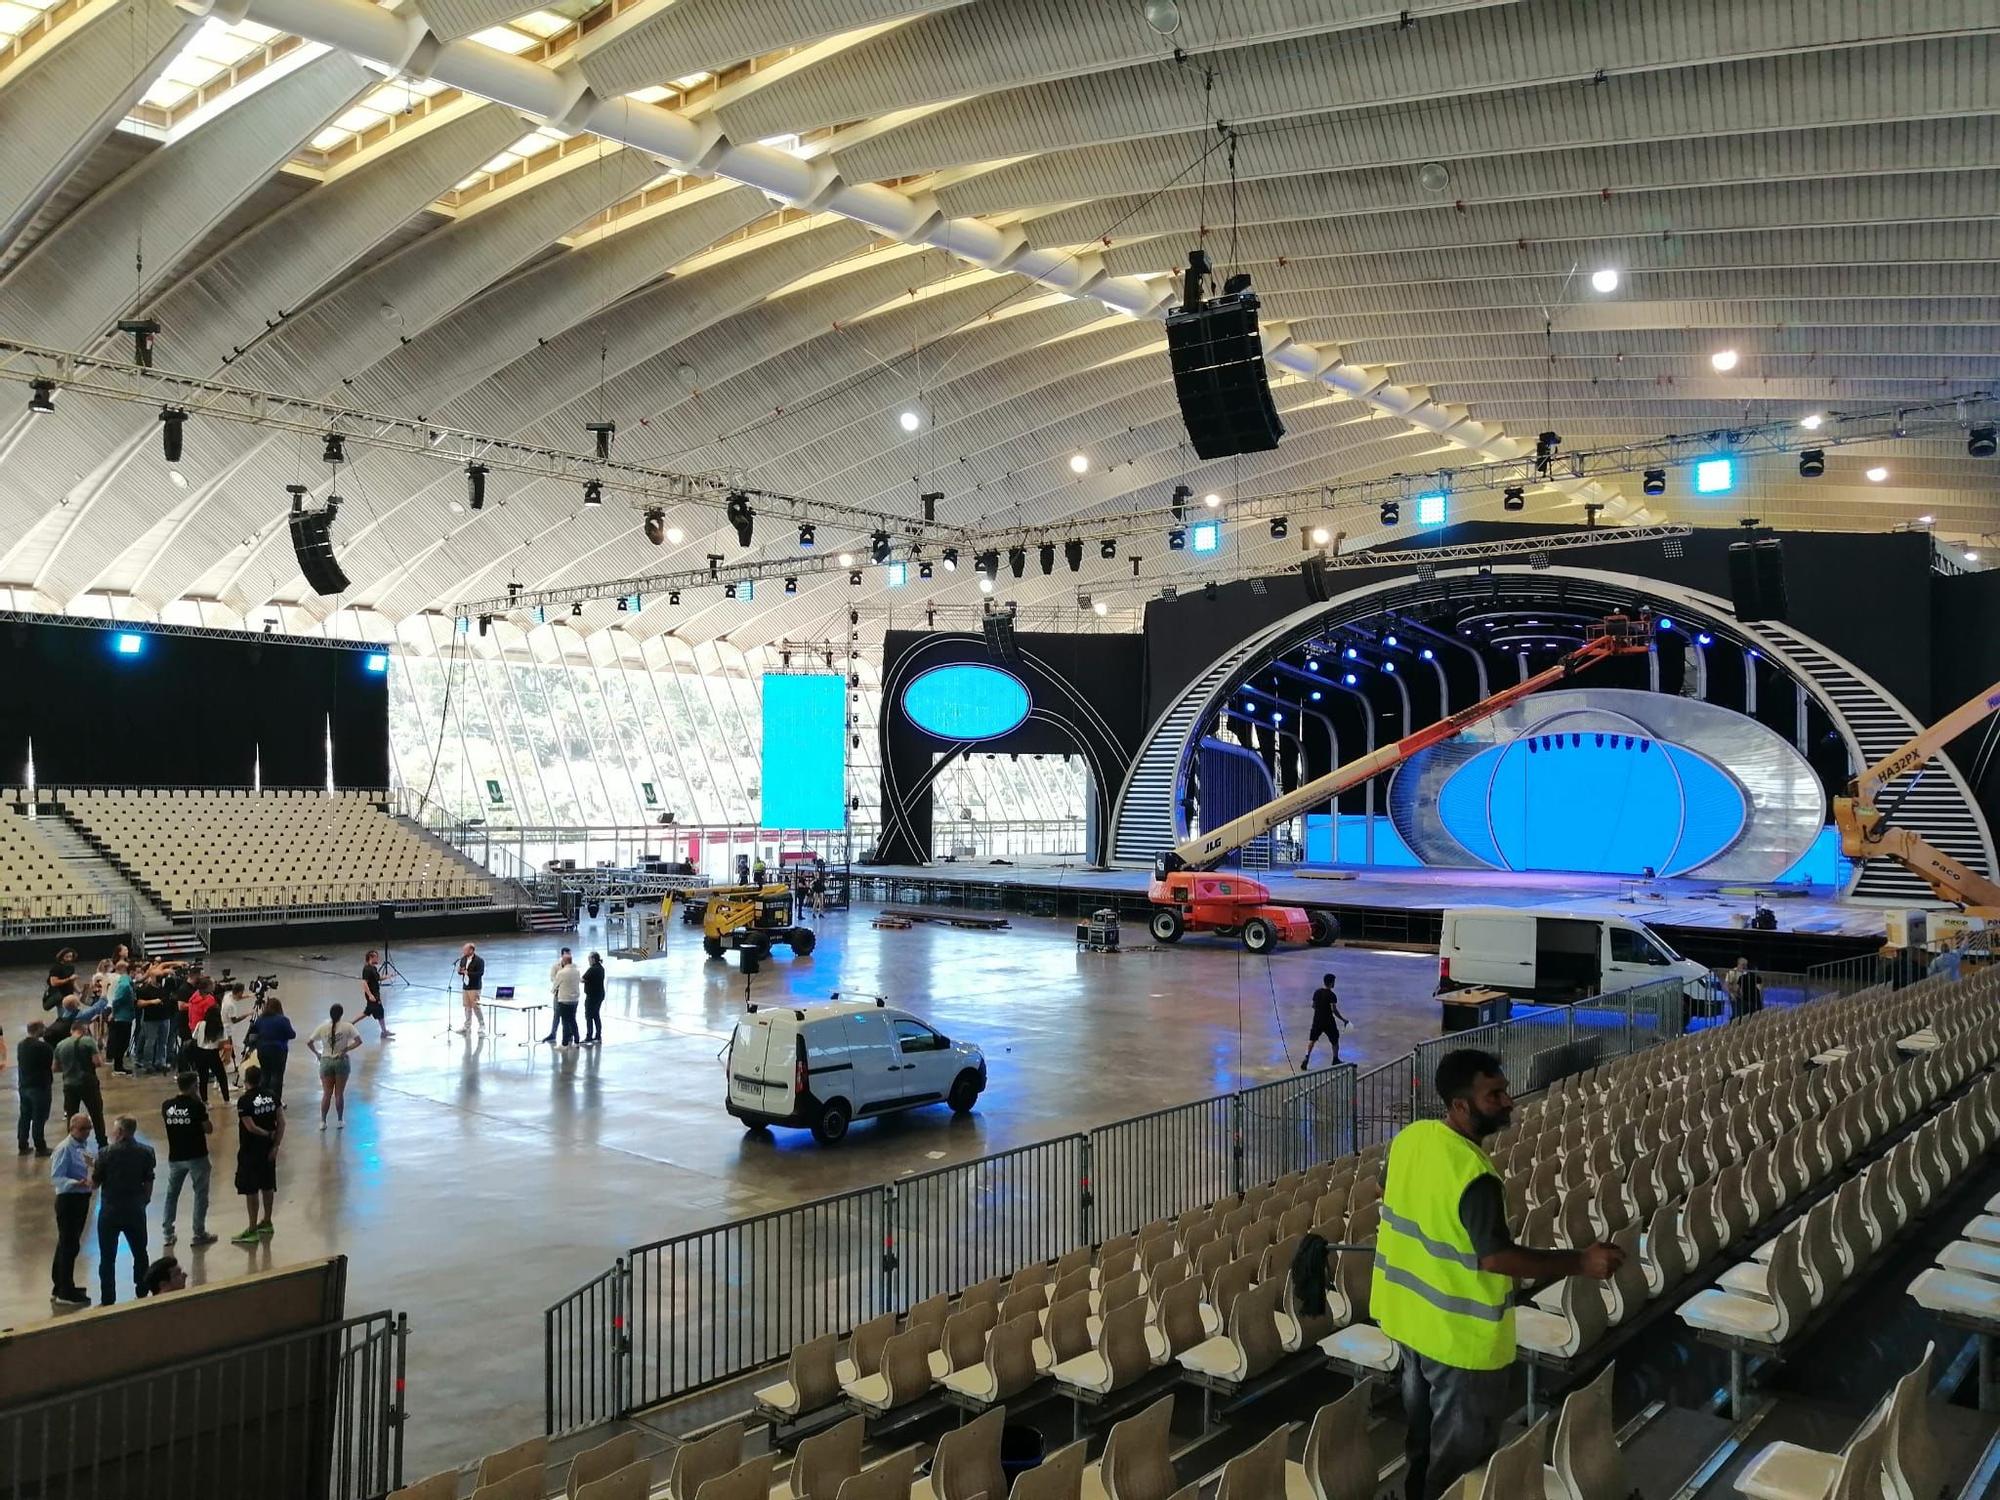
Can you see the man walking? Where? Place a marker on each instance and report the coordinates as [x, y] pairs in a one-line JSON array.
[[593, 1001], [472, 975], [1327, 1021], [1444, 1275], [124, 1014], [125, 1173], [34, 1076], [76, 1060], [565, 984], [69, 1170], [260, 1129], [371, 993], [188, 1129]]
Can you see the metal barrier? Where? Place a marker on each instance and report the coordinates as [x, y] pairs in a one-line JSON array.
[[1385, 1100], [1162, 1164], [317, 1415], [1850, 976], [958, 1225], [589, 1387], [1294, 1123]]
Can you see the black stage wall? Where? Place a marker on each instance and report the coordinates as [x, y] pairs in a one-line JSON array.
[[186, 710], [1084, 695]]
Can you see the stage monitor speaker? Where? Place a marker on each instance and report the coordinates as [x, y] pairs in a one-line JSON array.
[[385, 911], [1757, 580], [312, 545], [1220, 379]]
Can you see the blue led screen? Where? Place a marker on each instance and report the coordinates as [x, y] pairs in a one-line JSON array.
[[966, 702], [1347, 844], [805, 751], [1590, 801]]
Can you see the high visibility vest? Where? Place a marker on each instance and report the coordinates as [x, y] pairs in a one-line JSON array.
[[1427, 1291]]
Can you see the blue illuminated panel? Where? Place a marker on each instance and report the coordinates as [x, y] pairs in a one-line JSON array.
[[1205, 536], [129, 644], [1714, 476], [1432, 509], [377, 661], [805, 751], [966, 702]]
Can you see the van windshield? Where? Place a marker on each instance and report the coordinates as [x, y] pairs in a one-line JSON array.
[[1665, 948]]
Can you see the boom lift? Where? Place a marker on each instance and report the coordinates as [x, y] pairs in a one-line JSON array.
[[1186, 898], [1864, 828]]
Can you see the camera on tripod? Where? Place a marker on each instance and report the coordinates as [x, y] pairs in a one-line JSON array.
[[262, 985]]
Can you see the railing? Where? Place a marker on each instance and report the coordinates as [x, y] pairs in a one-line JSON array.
[[308, 900], [52, 916], [1161, 1163], [317, 1415]]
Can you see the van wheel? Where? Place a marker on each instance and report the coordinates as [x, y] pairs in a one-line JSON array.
[[1325, 928], [802, 940], [756, 1127], [964, 1092], [712, 946], [1167, 925], [1257, 935], [832, 1122]]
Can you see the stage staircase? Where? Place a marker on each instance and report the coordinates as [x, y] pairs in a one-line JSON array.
[[157, 933]]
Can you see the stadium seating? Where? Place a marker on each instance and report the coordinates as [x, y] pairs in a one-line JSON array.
[[35, 885]]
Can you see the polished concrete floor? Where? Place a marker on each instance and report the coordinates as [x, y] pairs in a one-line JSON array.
[[477, 1182]]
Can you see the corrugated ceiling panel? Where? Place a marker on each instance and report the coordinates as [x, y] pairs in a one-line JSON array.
[[456, 18]]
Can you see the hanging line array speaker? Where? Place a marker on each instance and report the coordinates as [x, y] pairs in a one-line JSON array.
[[1757, 579], [1220, 378], [312, 545]]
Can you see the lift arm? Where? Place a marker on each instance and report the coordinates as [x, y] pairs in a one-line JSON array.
[[1617, 635], [1865, 835]]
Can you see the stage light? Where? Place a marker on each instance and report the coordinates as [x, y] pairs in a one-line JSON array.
[[1312, 665], [1980, 443], [1389, 667], [1811, 423], [173, 422], [1177, 539], [988, 562], [878, 546], [1714, 476], [729, 591], [486, 621], [1017, 560], [1723, 360], [1432, 508], [985, 584], [1164, 16], [1205, 536], [334, 449], [1653, 482], [791, 585], [475, 486], [846, 559], [1545, 451], [675, 536], [1812, 463], [1427, 654], [1391, 513], [593, 492], [1073, 554], [806, 535], [855, 578], [1277, 716], [1100, 607], [1390, 640], [1079, 463], [130, 645], [950, 559], [656, 526], [1877, 474], [1281, 527], [1351, 654], [673, 596], [909, 421], [603, 432], [1108, 548], [1046, 556], [1665, 623], [1514, 497], [1211, 500], [1178, 502], [1703, 638], [41, 397], [741, 516], [1350, 679], [898, 574], [924, 570], [1605, 280]]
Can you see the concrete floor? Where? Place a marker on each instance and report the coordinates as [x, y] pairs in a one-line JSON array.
[[476, 1184]]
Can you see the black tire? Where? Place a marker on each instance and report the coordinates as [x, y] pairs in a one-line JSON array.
[[802, 940], [712, 946], [831, 1125], [1167, 925], [1325, 928], [1258, 936], [756, 1127], [964, 1092]]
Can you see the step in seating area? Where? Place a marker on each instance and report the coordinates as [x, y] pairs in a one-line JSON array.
[[241, 851], [36, 886]]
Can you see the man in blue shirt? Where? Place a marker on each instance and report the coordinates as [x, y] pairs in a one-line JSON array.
[[124, 1001], [69, 1170]]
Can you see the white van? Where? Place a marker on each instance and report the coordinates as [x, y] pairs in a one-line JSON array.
[[818, 1067], [1556, 955]]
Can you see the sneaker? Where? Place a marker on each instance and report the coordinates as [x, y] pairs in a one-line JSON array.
[[71, 1299], [167, 1238], [25, 1151], [340, 1124], [266, 1229], [203, 1239], [43, 1151], [322, 1127], [245, 1237]]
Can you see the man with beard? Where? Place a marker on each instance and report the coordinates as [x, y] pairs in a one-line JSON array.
[[1445, 1268]]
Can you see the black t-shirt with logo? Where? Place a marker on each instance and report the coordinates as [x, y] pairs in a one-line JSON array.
[[185, 1118], [260, 1109], [371, 981]]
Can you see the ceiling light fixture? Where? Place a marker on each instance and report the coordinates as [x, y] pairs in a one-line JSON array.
[[1211, 500], [1321, 536], [1514, 497], [950, 559], [334, 449], [1605, 280], [1812, 463], [909, 421], [173, 423], [593, 492], [741, 516], [41, 397], [1811, 423], [1079, 463], [475, 486], [656, 526], [806, 534], [1723, 360], [846, 559], [1653, 482], [1391, 513], [1877, 474], [878, 546], [1281, 527], [1017, 560], [1108, 548], [1980, 443]]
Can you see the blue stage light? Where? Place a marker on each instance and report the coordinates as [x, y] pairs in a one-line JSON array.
[[1316, 695], [1665, 623], [1350, 653], [1390, 640], [1204, 536], [1703, 638], [1428, 654], [1714, 476], [1312, 666], [1350, 679], [129, 644], [899, 574], [378, 661], [1431, 508], [1389, 666], [1276, 717]]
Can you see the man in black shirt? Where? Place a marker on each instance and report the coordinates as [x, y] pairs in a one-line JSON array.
[[593, 1001], [188, 1128], [62, 980], [260, 1128], [1327, 1020], [472, 975], [34, 1076], [124, 1173], [371, 993]]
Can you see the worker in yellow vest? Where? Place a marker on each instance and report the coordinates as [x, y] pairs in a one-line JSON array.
[[1445, 1268]]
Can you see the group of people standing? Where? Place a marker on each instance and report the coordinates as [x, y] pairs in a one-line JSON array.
[[566, 984]]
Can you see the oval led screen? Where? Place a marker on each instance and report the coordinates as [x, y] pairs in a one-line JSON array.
[[966, 702]]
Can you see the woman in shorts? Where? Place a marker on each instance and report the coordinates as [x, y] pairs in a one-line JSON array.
[[331, 1043]]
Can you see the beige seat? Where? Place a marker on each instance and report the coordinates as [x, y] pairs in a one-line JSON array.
[[1180, 1317], [1057, 1477], [750, 1480], [1007, 1369], [864, 1349], [608, 1457], [1135, 1464], [824, 1462], [1913, 1468], [1732, 1315], [905, 1375], [1338, 1464], [439, 1486], [1586, 1463], [522, 1484], [888, 1480], [703, 1459], [1249, 1348], [964, 1339], [1065, 1332], [811, 1381], [1360, 1347], [1515, 1472], [1856, 1473], [1120, 1358], [967, 1465], [532, 1454], [1259, 1472], [1578, 1321]]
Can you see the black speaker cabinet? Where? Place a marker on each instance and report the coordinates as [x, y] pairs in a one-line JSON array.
[[1757, 580], [1220, 379], [312, 545]]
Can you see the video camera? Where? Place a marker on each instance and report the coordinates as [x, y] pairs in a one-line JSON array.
[[262, 985]]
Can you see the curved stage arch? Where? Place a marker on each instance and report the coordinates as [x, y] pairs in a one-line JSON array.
[[1148, 815]]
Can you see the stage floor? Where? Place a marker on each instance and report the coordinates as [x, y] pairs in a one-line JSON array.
[[1666, 903]]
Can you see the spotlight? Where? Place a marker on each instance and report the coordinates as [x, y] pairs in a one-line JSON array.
[[950, 559], [1545, 451], [924, 570], [1046, 556], [989, 562], [846, 559], [1427, 654], [1877, 474], [807, 535], [985, 584], [42, 397], [624, 605], [1812, 463], [673, 596], [1654, 482], [1723, 360], [1079, 463], [675, 536], [791, 585], [173, 420], [475, 486], [1211, 500], [143, 331], [1321, 536], [1605, 280], [1100, 607], [878, 546], [1108, 548], [1714, 476], [1280, 528], [729, 591], [1811, 423], [1177, 539], [1073, 554], [1703, 638], [1514, 497], [656, 526], [603, 432], [909, 421], [486, 621], [334, 449], [1979, 443], [1017, 560], [593, 492], [576, 611], [1182, 494], [1391, 513], [741, 516]]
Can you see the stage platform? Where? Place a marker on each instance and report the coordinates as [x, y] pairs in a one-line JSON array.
[[1403, 906]]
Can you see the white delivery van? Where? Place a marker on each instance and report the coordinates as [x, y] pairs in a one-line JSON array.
[[818, 1067], [1557, 955]]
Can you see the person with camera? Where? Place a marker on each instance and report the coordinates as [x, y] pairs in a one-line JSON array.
[[272, 1034]]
